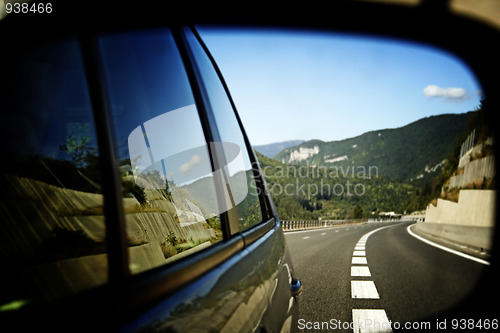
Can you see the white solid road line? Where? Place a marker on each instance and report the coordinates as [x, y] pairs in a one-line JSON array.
[[364, 289], [444, 248], [370, 320]]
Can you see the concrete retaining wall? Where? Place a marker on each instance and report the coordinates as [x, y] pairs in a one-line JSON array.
[[474, 207], [474, 171], [472, 236], [470, 222]]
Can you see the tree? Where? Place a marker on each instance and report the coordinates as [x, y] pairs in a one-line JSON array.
[[79, 150], [358, 212]]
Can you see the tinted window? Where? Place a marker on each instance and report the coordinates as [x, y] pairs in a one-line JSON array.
[[239, 168], [170, 199], [52, 230]]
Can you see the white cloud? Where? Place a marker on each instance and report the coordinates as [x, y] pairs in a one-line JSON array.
[[189, 165], [449, 94]]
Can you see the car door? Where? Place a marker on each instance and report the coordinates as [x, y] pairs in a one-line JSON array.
[[133, 200]]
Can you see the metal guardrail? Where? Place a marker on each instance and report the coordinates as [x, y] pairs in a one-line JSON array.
[[293, 225], [296, 225], [468, 143]]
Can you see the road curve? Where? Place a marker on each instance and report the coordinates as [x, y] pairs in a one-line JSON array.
[[376, 272]]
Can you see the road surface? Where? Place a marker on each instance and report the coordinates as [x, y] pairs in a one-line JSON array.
[[378, 276]]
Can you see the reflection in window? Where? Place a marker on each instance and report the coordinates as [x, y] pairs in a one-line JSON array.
[[240, 170], [171, 202], [52, 230]]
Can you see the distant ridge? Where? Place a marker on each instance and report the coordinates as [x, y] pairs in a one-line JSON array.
[[270, 150]]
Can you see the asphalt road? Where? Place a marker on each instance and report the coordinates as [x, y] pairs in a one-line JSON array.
[[351, 276]]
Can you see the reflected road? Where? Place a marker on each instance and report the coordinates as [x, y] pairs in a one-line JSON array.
[[377, 266]]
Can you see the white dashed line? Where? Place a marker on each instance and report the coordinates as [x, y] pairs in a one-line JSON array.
[[360, 271], [359, 261], [364, 289], [370, 320], [305, 237], [366, 320]]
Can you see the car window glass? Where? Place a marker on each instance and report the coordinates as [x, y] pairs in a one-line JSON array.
[[240, 171], [170, 199], [52, 232]]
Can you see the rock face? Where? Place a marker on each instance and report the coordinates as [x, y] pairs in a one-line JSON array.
[[302, 154]]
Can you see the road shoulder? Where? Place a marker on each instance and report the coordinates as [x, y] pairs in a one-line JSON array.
[[447, 245]]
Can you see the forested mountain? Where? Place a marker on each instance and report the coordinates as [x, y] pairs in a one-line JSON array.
[[379, 171], [411, 152], [305, 192]]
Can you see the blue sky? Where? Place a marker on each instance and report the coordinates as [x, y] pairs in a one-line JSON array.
[[323, 86]]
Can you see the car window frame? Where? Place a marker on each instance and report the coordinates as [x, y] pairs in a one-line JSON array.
[[156, 283], [116, 237], [264, 197], [267, 211]]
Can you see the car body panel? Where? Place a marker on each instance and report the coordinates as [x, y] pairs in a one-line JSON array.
[[243, 294]]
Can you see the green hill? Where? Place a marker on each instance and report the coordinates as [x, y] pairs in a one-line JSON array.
[[414, 151]]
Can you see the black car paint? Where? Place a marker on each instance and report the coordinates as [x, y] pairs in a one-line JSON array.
[[234, 296]]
